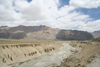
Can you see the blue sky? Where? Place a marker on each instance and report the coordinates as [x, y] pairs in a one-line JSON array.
[[64, 14], [63, 2], [92, 12], [29, 1]]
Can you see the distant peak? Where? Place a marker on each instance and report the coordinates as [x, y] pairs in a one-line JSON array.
[[43, 25], [4, 26], [20, 25]]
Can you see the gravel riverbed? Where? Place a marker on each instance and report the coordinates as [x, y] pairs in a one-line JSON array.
[[53, 58]]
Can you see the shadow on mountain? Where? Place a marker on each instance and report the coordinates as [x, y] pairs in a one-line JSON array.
[[73, 35], [9, 35]]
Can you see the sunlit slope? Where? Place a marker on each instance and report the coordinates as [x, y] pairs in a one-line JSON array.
[[22, 52]]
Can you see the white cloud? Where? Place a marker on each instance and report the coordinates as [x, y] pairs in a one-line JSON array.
[[91, 26], [7, 13], [85, 3], [43, 12]]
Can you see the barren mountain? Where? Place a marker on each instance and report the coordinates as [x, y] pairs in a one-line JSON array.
[[96, 34], [74, 35], [42, 33]]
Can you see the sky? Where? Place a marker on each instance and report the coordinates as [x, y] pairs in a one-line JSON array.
[[64, 14]]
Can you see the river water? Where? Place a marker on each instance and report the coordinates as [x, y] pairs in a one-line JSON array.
[[51, 58]]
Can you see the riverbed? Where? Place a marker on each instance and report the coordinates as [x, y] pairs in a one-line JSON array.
[[54, 58]]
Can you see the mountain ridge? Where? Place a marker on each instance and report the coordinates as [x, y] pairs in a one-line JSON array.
[[96, 34], [42, 33]]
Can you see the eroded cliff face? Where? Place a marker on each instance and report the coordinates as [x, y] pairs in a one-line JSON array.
[[10, 54]]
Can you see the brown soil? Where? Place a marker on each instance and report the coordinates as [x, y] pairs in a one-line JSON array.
[[86, 55]]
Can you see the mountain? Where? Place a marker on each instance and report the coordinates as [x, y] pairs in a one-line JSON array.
[[96, 34], [74, 35], [42, 33], [25, 29]]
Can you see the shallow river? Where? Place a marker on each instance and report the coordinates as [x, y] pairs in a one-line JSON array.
[[51, 58]]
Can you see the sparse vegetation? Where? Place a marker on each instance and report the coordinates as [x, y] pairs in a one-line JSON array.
[[15, 41], [97, 39]]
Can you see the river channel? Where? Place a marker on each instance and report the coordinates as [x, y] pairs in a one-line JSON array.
[[50, 58]]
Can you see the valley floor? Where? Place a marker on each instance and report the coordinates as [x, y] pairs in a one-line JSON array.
[[83, 54]]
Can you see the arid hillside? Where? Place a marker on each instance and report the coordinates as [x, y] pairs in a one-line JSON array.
[[73, 35], [83, 57], [97, 39], [96, 34], [42, 33]]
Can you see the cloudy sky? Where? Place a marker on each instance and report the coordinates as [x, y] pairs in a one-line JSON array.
[[65, 14]]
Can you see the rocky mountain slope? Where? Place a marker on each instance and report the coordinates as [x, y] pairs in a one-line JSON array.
[[96, 34], [74, 35], [42, 33]]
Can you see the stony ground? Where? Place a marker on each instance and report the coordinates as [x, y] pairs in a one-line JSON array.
[[85, 56], [95, 62]]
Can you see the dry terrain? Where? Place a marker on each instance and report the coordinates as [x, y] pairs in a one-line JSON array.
[[15, 51], [18, 51], [83, 57]]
